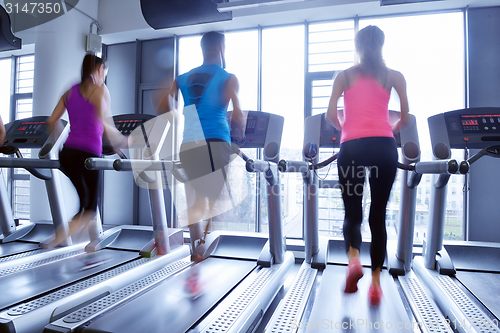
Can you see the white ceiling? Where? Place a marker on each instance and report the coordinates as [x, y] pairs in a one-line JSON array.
[[122, 20]]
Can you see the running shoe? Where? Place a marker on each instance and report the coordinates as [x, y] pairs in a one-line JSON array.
[[374, 294], [354, 273]]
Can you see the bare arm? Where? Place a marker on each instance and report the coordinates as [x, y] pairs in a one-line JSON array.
[[169, 101], [2, 132], [101, 100], [57, 113], [338, 88], [400, 86], [238, 121]]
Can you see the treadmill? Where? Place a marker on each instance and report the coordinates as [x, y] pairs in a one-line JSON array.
[[240, 275], [316, 300], [38, 292], [21, 241], [464, 277]]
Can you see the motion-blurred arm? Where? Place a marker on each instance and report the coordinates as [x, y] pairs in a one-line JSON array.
[[57, 113], [238, 121], [103, 107], [400, 86], [2, 132], [332, 113]]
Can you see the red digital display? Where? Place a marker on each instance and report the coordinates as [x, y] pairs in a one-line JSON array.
[[471, 122]]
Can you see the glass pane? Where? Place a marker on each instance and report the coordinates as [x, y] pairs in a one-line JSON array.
[[242, 59], [21, 199], [24, 108], [432, 61], [282, 93], [25, 72], [190, 55], [25, 75], [331, 46], [27, 59], [23, 67], [5, 69]]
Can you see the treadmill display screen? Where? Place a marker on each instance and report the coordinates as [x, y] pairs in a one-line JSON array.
[[30, 129], [128, 125], [480, 123], [251, 124]]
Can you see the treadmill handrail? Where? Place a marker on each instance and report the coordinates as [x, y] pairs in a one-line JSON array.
[[303, 166], [492, 151], [99, 163], [145, 165], [29, 163]]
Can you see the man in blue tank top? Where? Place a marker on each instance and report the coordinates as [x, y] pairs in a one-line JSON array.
[[206, 146]]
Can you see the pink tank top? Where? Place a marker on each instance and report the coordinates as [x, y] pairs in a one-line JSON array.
[[366, 112], [86, 128]]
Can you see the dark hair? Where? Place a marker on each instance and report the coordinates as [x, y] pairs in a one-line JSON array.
[[90, 63], [211, 41], [369, 42]]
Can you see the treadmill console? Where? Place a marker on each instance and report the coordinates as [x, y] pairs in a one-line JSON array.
[[262, 130], [330, 136], [126, 123], [474, 128], [256, 130], [27, 133]]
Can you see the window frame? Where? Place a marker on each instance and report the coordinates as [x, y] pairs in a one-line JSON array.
[[12, 176]]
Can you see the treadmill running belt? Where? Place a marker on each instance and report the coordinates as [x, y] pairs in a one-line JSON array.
[[485, 286], [169, 307], [9, 249], [29, 283], [335, 310]]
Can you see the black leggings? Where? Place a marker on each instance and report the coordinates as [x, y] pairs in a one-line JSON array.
[[380, 156], [85, 181]]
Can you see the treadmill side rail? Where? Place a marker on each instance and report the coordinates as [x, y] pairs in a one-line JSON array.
[[291, 308], [250, 299]]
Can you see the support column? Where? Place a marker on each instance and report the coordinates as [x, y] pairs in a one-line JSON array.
[[59, 51]]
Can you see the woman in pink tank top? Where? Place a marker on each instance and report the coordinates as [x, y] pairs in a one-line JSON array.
[[367, 144], [86, 104]]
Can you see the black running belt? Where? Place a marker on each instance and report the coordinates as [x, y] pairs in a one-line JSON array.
[[38, 280], [170, 307]]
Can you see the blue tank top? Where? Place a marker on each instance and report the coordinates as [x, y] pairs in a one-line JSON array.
[[204, 109]]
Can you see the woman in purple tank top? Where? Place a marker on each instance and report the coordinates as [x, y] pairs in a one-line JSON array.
[[367, 142], [86, 103]]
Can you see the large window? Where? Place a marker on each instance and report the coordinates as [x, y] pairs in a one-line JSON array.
[[283, 94], [241, 60], [429, 51], [330, 50], [17, 104], [298, 64], [23, 99], [5, 82], [277, 87]]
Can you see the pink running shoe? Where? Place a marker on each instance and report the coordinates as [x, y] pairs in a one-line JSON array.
[[354, 273], [193, 287], [374, 294]]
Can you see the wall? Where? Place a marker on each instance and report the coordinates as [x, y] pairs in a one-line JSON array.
[[484, 69], [118, 193], [59, 51], [137, 71]]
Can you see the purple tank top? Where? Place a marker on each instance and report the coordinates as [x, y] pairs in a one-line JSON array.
[[86, 128]]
